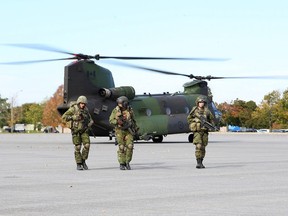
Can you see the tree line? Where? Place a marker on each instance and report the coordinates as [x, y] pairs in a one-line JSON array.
[[38, 114], [271, 113]]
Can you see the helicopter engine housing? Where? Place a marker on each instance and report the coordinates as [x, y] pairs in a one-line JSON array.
[[114, 93]]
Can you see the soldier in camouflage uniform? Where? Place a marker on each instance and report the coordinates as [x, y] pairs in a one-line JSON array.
[[79, 120], [122, 118], [200, 139]]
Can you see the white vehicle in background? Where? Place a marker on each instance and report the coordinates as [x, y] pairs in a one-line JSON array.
[[263, 131], [20, 128]]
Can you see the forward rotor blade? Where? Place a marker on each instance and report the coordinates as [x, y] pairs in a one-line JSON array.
[[81, 56], [160, 58], [40, 47], [97, 57], [35, 61]]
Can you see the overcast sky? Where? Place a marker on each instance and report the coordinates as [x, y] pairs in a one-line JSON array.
[[252, 34]]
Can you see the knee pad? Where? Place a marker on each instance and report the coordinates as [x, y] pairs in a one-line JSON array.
[[198, 146], [130, 146], [121, 148], [87, 146], [77, 148]]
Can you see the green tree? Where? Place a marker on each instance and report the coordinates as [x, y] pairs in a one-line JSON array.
[[272, 112], [238, 113], [4, 111], [246, 114], [280, 111], [260, 117], [32, 113], [272, 100]]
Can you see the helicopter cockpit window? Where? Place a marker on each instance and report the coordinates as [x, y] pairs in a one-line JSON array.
[[148, 112], [168, 111], [217, 113]]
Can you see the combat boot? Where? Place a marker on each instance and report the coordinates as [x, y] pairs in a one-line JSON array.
[[201, 164], [122, 166], [128, 166], [198, 166], [79, 166], [84, 165]]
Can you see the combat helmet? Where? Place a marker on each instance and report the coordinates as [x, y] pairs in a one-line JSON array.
[[200, 99], [82, 99], [123, 100]]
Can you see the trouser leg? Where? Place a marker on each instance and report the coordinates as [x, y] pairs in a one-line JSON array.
[[129, 147], [77, 154], [77, 150], [201, 141], [121, 154], [129, 152], [77, 147], [85, 151], [85, 139]]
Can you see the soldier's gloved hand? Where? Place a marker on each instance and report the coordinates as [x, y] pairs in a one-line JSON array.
[[69, 118], [119, 122], [90, 124]]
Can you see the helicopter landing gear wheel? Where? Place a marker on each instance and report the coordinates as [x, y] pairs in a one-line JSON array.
[[190, 137], [157, 139]]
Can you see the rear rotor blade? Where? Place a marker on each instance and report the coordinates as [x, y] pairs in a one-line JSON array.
[[191, 76], [257, 77], [145, 68]]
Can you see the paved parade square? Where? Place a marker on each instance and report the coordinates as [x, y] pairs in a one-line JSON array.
[[246, 174]]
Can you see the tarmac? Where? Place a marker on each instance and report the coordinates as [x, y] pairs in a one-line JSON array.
[[245, 174]]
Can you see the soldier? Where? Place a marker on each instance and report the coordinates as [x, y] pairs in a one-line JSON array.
[[122, 118], [195, 119], [79, 121]]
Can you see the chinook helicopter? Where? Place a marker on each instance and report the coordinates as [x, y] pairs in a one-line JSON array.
[[157, 115]]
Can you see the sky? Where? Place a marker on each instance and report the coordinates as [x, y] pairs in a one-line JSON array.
[[251, 34]]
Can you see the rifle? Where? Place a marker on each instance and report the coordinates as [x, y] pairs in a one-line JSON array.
[[91, 130], [130, 125], [206, 124]]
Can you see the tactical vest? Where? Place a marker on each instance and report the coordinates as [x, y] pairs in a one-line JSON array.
[[83, 115], [194, 121]]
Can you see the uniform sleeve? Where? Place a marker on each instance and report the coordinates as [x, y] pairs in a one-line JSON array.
[[112, 118], [191, 116], [67, 116]]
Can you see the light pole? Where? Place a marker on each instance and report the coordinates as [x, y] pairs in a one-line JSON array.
[[13, 101]]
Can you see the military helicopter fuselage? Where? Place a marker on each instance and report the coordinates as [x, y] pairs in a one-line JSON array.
[[157, 115]]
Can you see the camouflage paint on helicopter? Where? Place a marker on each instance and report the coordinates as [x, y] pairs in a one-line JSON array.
[[157, 115]]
